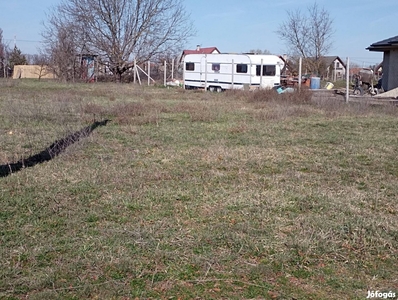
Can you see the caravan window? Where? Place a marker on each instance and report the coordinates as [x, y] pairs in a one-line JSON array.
[[189, 66], [241, 68], [215, 67], [268, 70]]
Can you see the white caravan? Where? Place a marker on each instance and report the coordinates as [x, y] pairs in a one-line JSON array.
[[217, 72]]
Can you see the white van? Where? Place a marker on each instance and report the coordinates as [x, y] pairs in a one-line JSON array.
[[217, 72]]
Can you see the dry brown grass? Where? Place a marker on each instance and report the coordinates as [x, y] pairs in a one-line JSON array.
[[190, 194]]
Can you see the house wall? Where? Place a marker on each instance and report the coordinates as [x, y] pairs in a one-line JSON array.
[[335, 71], [339, 71], [390, 70]]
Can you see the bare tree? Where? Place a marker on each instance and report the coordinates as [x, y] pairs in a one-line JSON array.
[[42, 62], [120, 31], [308, 35], [259, 51], [3, 55], [62, 45]]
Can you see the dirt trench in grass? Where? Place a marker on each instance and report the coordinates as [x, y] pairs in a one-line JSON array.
[[51, 151]]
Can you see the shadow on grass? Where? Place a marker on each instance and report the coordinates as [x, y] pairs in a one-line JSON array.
[[50, 152]]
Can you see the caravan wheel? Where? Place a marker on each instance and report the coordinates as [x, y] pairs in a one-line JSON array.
[[358, 91], [217, 89]]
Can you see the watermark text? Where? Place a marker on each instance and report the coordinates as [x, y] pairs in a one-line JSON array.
[[378, 294]]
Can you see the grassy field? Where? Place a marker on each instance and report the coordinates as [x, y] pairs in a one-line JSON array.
[[193, 195]]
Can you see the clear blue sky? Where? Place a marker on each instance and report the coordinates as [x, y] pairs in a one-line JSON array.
[[238, 25]]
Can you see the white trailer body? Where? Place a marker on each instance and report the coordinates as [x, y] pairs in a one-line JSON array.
[[217, 72]]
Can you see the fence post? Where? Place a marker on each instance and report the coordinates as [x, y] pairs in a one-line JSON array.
[[149, 72], [135, 70], [205, 74], [347, 78], [165, 73], [233, 63], [183, 74], [172, 68], [300, 75]]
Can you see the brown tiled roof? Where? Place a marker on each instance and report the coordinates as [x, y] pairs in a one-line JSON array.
[[207, 50]]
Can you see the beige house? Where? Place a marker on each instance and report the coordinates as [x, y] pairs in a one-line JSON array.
[[335, 68], [32, 71], [327, 67]]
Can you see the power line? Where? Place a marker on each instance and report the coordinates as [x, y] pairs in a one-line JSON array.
[[363, 57], [28, 41]]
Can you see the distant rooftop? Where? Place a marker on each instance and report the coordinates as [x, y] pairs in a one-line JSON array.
[[199, 50]]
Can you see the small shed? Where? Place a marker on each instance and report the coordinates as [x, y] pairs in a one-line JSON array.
[[33, 71], [88, 67], [390, 61]]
